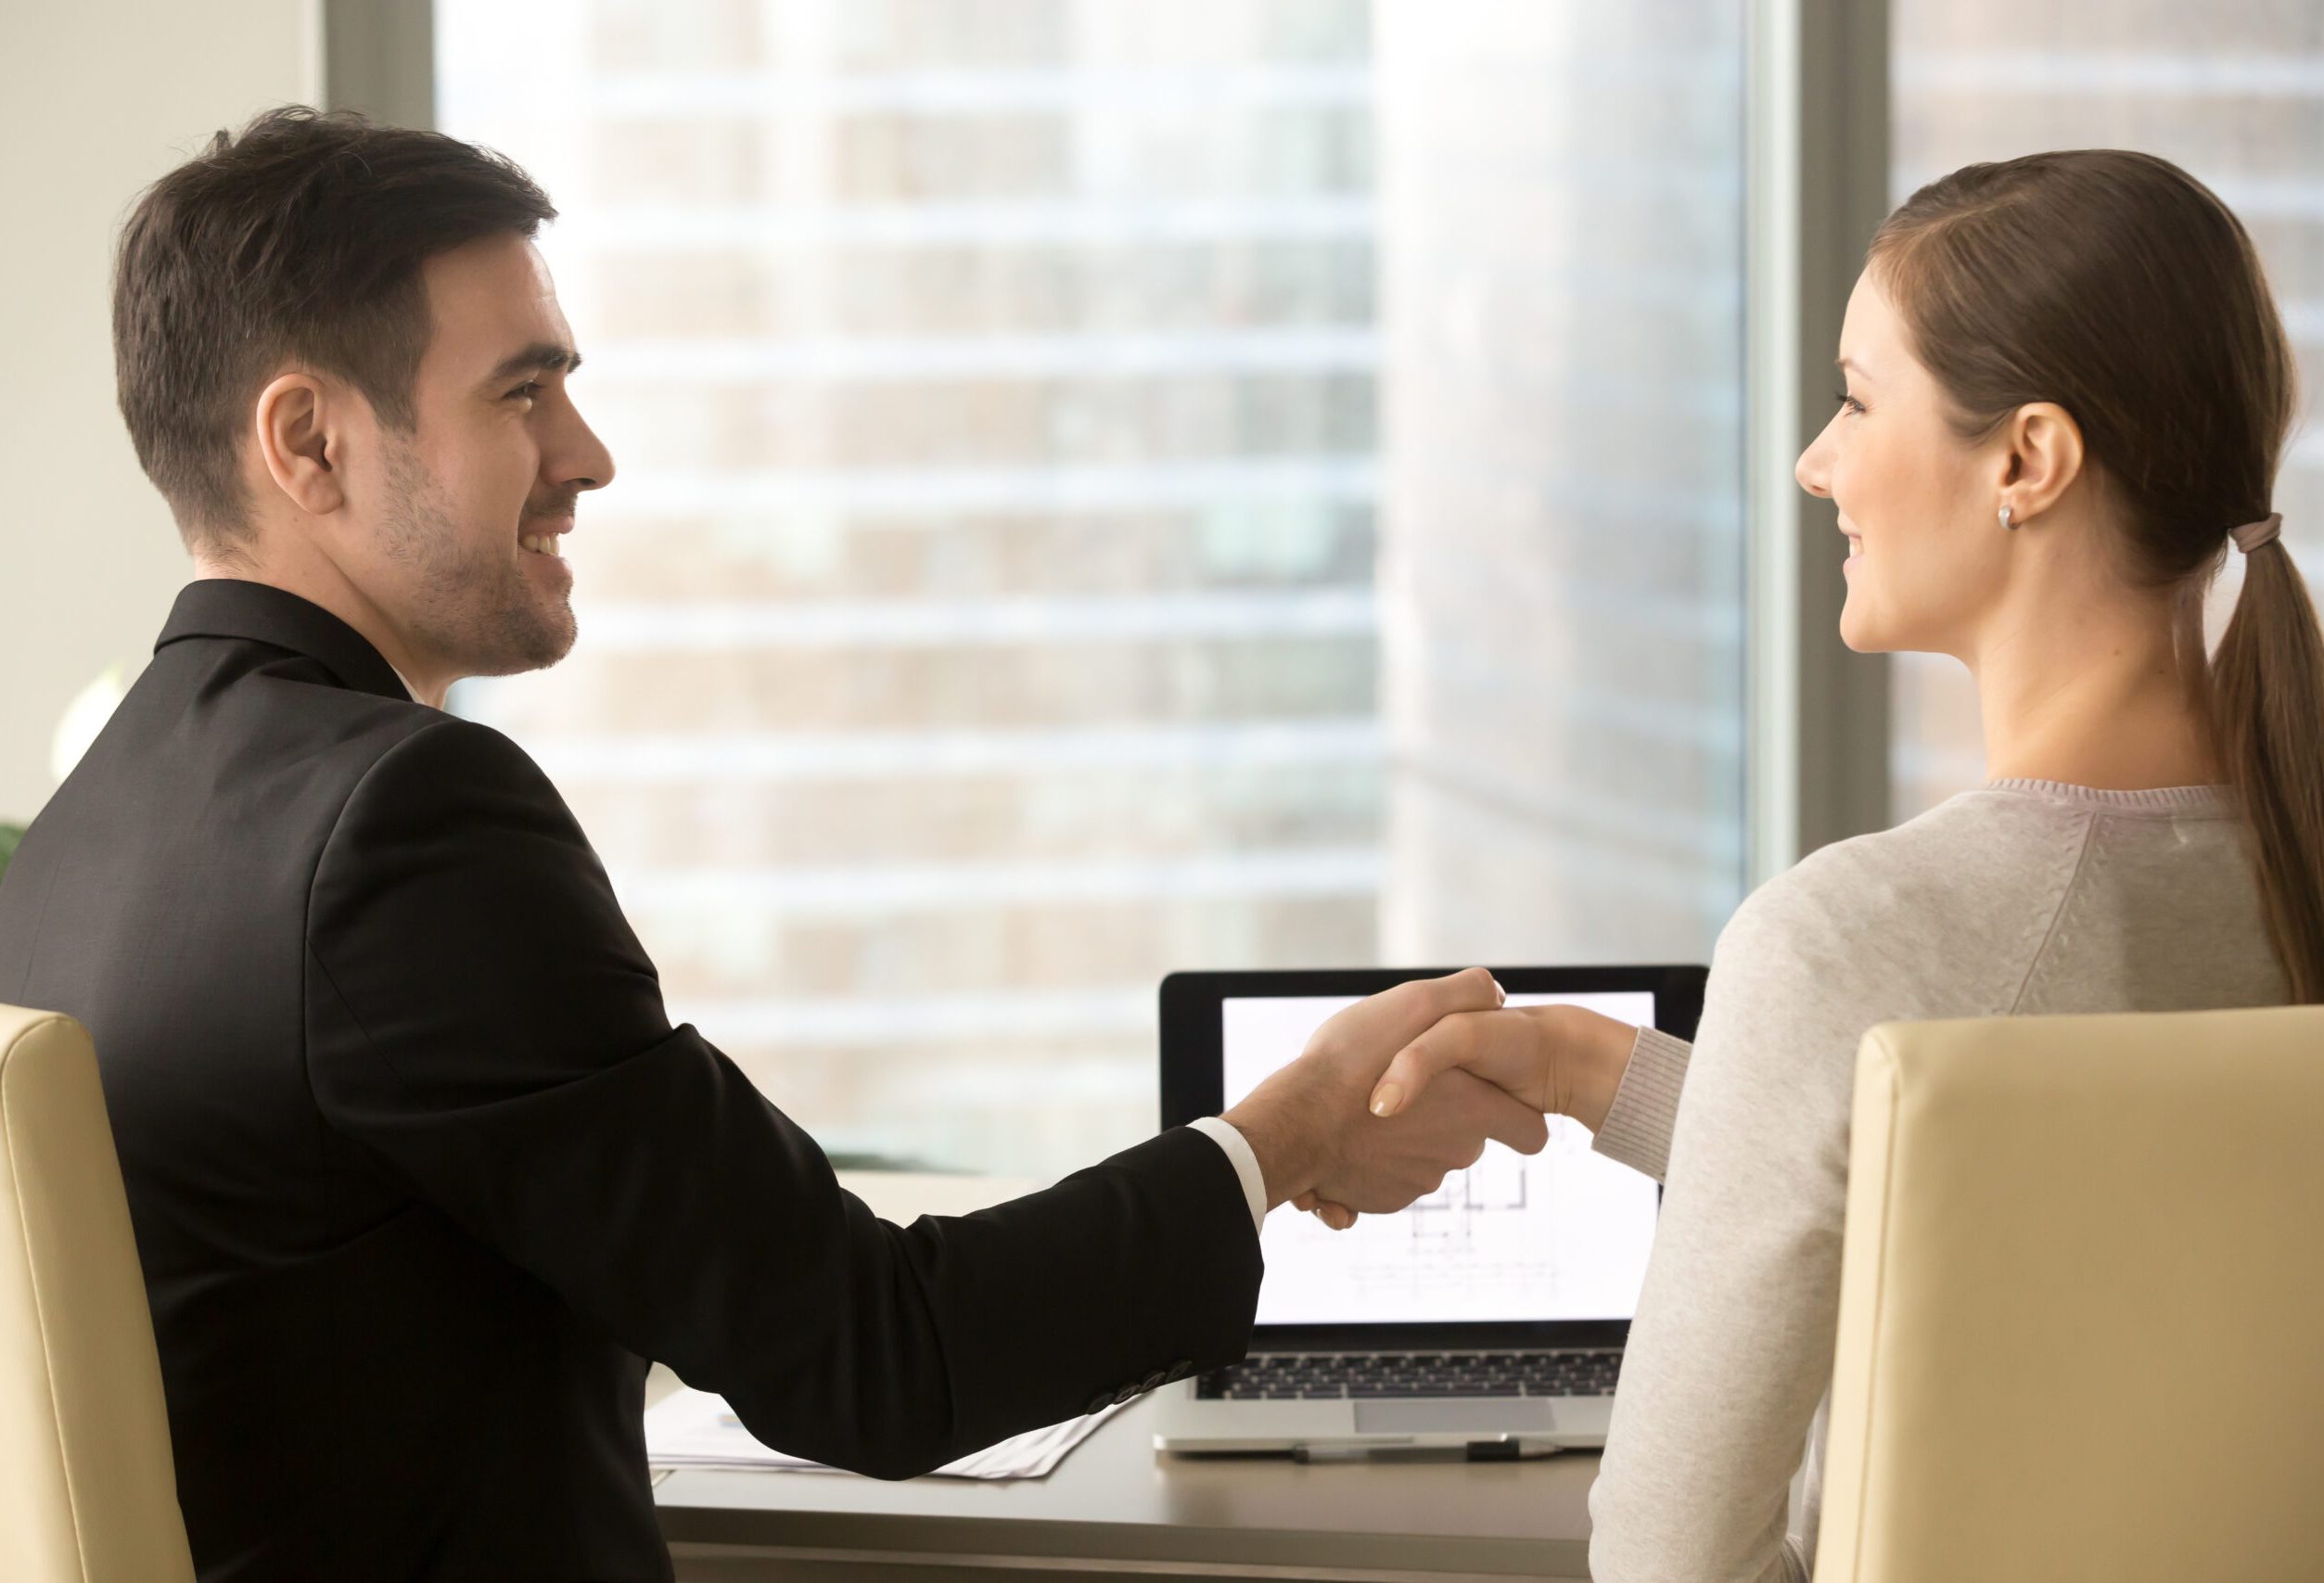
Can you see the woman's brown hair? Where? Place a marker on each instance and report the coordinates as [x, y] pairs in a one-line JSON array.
[[2120, 287]]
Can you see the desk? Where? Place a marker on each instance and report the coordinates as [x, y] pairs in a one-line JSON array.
[[1116, 1508]]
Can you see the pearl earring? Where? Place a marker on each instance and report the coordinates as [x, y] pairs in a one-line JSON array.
[[2005, 520]]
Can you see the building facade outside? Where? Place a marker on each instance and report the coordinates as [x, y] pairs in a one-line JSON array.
[[1109, 488]]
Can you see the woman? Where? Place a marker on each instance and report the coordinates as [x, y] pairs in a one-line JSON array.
[[2067, 391]]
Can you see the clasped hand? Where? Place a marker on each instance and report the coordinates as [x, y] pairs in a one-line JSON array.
[[1399, 1090]]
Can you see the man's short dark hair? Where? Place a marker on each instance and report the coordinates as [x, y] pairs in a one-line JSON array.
[[300, 241]]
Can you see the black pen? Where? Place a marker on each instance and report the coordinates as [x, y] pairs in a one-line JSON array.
[[1509, 1450]]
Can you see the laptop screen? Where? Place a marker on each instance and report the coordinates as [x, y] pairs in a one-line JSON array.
[[1562, 1235]]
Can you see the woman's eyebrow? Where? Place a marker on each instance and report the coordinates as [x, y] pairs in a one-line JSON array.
[[1848, 365]]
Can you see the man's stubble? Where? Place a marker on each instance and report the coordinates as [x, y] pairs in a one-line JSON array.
[[473, 602]]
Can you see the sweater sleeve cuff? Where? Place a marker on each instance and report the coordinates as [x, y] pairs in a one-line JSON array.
[[1229, 1137], [1637, 1127]]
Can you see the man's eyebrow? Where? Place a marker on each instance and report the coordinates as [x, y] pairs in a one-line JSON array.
[[542, 356]]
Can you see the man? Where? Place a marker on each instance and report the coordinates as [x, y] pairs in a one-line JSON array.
[[421, 1175]]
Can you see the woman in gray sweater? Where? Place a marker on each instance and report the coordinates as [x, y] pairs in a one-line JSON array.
[[2067, 392]]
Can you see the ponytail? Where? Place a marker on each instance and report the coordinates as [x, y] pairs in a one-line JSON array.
[[2268, 713]]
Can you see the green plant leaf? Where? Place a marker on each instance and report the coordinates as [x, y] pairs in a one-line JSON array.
[[10, 836]]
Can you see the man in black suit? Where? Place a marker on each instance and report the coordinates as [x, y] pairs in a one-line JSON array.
[[421, 1174]]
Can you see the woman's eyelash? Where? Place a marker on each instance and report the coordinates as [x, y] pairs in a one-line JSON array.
[[1844, 398]]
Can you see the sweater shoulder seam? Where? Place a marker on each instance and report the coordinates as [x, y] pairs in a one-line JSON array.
[[2065, 894]]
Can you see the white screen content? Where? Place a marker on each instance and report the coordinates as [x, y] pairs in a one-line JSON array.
[[1562, 1235]]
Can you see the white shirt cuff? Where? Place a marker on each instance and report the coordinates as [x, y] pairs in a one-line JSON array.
[[1229, 1137]]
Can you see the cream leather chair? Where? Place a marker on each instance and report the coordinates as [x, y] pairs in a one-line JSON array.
[[2082, 1303], [88, 1493]]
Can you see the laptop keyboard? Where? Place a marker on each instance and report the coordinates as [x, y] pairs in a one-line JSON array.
[[1311, 1376]]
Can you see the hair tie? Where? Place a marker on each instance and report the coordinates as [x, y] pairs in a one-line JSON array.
[[2252, 535]]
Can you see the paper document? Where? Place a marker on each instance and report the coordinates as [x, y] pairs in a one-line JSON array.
[[694, 1429]]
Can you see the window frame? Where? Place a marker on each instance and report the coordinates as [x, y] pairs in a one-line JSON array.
[[1816, 187], [379, 59]]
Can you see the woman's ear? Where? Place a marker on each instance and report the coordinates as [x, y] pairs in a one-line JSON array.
[[2043, 459], [297, 442]]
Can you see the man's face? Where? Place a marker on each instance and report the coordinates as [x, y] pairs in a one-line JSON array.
[[460, 548]]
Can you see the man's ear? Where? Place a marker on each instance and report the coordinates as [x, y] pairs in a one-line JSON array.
[[2044, 456], [300, 440]]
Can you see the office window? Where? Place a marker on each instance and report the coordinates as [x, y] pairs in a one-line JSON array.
[[1109, 487], [2232, 91]]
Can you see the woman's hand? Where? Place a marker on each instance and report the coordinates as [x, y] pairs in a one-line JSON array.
[[1308, 1127], [1560, 1060]]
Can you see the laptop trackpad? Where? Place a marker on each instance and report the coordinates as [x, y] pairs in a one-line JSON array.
[[1504, 1415]]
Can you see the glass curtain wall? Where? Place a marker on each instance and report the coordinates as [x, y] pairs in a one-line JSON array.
[[1107, 488]]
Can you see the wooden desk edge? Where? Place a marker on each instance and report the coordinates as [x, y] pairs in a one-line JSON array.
[[867, 1537]]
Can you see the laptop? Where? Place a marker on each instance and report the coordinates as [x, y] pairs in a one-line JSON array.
[[1489, 1317]]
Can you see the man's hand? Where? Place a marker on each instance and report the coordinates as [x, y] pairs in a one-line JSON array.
[[1561, 1060], [1309, 1125]]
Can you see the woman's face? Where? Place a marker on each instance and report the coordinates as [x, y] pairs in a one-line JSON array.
[[1925, 549]]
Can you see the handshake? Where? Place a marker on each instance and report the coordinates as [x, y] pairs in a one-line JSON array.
[[1399, 1090]]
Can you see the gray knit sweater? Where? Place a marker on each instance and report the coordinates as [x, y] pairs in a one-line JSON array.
[[2025, 897]]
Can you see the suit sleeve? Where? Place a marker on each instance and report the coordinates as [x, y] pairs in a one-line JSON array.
[[482, 1019]]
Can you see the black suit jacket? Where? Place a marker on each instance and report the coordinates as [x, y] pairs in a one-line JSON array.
[[421, 1175]]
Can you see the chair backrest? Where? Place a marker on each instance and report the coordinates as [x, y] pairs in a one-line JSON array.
[[2082, 1302], [88, 1493]]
